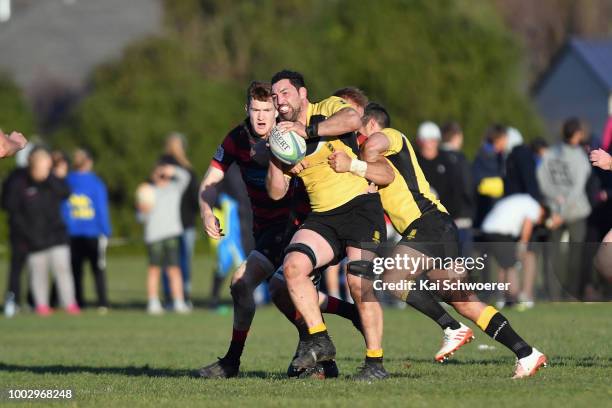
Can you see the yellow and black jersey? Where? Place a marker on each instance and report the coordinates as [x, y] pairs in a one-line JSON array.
[[327, 189], [408, 196]]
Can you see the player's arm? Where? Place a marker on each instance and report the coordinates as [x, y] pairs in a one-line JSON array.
[[375, 146], [344, 121], [378, 171], [600, 158], [207, 197], [277, 182]]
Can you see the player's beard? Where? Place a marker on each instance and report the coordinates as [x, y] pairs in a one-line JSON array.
[[292, 115]]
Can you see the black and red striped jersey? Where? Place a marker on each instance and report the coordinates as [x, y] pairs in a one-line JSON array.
[[238, 148]]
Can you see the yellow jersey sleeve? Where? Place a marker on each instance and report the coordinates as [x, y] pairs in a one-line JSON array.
[[396, 140], [327, 107]]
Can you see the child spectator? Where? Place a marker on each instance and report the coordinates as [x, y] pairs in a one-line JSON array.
[[159, 205]]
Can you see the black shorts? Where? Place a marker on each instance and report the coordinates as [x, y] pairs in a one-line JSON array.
[[272, 241], [359, 223], [433, 234], [502, 247]]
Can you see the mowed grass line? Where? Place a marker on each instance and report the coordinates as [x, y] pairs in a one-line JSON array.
[[129, 359]]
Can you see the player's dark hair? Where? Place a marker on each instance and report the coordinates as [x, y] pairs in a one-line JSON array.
[[377, 112], [354, 94], [450, 130], [259, 91], [570, 127], [296, 79], [496, 132]]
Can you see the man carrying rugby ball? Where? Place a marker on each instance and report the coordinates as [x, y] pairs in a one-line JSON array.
[[344, 219]]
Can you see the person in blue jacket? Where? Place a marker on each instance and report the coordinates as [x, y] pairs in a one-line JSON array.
[[230, 253], [87, 218]]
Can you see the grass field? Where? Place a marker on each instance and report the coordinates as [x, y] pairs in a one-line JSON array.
[[127, 358]]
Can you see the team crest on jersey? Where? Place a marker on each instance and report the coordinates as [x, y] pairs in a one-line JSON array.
[[412, 234], [330, 147], [376, 237], [219, 154]]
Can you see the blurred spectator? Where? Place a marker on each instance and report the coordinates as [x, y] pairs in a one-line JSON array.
[[35, 204], [507, 229], [229, 248], [87, 219], [520, 174], [17, 242], [190, 209], [521, 179], [11, 144], [444, 180], [563, 177], [488, 171], [159, 207], [452, 143]]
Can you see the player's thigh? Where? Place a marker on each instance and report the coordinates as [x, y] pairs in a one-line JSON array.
[[321, 248]]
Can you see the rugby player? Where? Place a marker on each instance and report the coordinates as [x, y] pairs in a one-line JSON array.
[[344, 217], [273, 222], [425, 223]]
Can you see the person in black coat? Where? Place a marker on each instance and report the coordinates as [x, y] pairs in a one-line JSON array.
[[521, 171], [488, 171], [17, 243], [35, 205], [452, 143]]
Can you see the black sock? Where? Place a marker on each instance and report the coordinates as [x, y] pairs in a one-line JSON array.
[[318, 335], [500, 330], [234, 352], [424, 302], [344, 309], [373, 360]]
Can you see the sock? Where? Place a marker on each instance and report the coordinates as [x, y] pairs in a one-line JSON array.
[[424, 302], [236, 346], [374, 356], [498, 328], [318, 330], [344, 309]]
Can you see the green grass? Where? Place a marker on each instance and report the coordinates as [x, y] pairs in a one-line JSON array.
[[127, 358]]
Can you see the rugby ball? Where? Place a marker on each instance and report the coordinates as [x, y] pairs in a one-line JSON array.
[[288, 147]]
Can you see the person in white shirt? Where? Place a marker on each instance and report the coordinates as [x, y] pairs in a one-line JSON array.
[[511, 220]]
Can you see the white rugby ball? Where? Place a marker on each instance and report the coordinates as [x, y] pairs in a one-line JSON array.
[[288, 147]]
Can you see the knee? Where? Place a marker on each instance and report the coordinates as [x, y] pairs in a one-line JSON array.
[[240, 289], [292, 268]]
